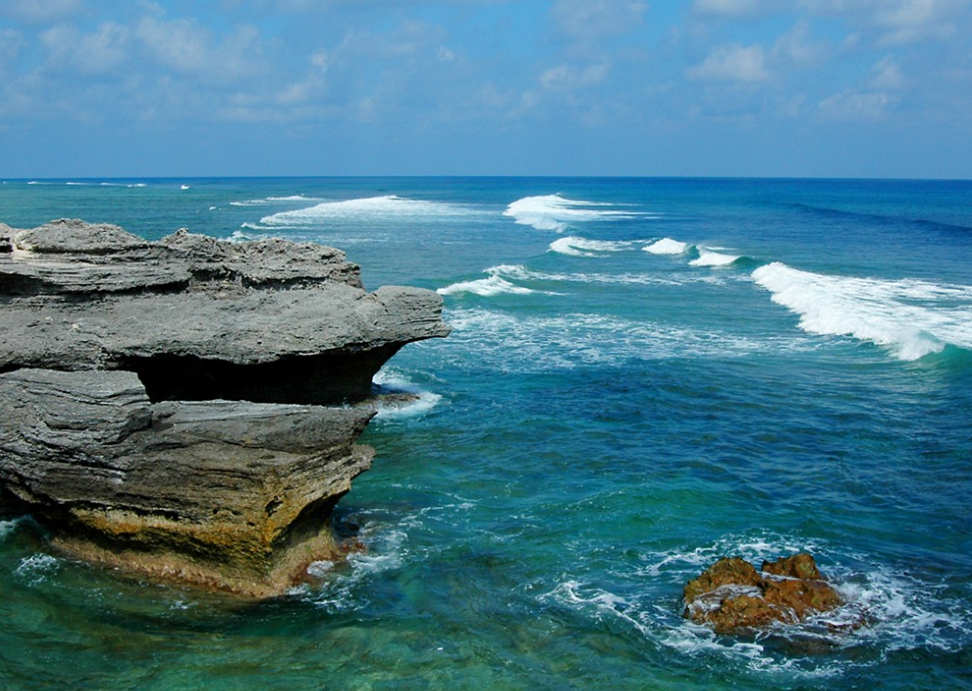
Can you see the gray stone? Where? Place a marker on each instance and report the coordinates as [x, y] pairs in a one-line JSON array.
[[189, 408]]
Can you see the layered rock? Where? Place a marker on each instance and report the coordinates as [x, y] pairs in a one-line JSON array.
[[180, 407], [732, 595]]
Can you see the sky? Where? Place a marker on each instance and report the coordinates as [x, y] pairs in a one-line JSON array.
[[791, 88]]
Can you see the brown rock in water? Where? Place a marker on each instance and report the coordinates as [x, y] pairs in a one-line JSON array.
[[180, 408], [731, 595]]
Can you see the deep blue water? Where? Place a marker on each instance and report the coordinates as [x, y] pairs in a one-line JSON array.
[[644, 375]]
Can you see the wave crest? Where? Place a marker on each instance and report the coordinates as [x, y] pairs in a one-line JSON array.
[[911, 318], [554, 212], [384, 208]]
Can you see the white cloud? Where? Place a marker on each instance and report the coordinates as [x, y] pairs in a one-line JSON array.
[[887, 76], [39, 11], [312, 85], [565, 78], [856, 105], [726, 8], [733, 63], [184, 46], [797, 47], [897, 22], [590, 20], [98, 52], [11, 42]]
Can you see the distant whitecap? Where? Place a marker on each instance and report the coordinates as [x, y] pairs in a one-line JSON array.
[[554, 212]]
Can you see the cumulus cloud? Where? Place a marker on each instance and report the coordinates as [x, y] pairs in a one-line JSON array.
[[590, 20], [732, 63]]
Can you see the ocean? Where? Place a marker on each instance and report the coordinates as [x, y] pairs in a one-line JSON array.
[[644, 375]]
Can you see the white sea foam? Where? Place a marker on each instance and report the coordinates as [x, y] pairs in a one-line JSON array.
[[7, 527], [390, 381], [886, 608], [385, 208], [36, 568], [574, 246], [493, 284], [667, 246], [540, 343], [911, 318], [275, 200], [341, 588], [709, 257], [554, 212]]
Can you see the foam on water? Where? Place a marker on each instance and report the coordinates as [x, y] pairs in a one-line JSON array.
[[667, 246], [911, 318], [8, 527], [886, 610], [275, 200], [36, 568], [344, 587], [391, 382], [384, 208], [554, 212], [538, 343]]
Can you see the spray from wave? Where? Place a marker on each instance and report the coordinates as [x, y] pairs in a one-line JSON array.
[[909, 317]]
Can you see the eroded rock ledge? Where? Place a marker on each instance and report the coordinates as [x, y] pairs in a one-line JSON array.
[[180, 408]]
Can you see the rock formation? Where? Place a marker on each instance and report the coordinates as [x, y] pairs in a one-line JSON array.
[[181, 408], [731, 595]]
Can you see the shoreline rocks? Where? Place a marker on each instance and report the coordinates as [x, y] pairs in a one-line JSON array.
[[183, 408], [731, 595]]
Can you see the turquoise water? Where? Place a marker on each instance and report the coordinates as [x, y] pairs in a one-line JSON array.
[[644, 375]]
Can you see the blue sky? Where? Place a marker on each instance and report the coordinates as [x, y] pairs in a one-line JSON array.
[[842, 88]]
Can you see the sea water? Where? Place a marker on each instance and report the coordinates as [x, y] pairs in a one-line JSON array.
[[644, 375]]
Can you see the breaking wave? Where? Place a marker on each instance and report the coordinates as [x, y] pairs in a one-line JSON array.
[[385, 208], [496, 283], [582, 247], [553, 212], [667, 246], [708, 257], [399, 398], [909, 317]]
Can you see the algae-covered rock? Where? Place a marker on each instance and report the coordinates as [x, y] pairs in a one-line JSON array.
[[731, 595]]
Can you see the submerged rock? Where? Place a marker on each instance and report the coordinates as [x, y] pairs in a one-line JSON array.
[[731, 595], [180, 408]]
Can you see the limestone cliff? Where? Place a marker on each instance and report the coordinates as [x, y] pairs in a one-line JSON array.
[[180, 407]]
